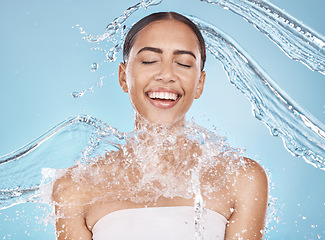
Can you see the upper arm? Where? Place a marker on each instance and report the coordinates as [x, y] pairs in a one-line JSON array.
[[70, 221], [250, 205]]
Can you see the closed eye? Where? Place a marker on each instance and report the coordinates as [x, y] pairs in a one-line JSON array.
[[148, 62], [184, 65]]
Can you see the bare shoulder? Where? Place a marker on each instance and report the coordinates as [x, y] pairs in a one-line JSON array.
[[251, 175], [250, 198], [79, 184], [69, 198], [243, 176], [250, 187], [237, 170], [62, 186], [68, 189]]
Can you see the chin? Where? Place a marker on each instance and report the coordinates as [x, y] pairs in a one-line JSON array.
[[156, 121]]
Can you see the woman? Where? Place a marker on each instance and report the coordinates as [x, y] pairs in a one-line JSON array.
[[147, 189]]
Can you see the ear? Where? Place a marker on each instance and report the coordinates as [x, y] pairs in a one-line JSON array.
[[199, 89], [122, 77]]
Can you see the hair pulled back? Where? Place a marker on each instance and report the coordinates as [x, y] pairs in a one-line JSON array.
[[137, 27]]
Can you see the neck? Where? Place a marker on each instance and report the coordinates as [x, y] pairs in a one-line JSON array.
[[142, 124]]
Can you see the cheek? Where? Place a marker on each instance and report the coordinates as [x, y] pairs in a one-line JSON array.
[[192, 81], [130, 78], [129, 83]]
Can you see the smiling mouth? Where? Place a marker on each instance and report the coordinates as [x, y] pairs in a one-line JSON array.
[[163, 99], [164, 96]]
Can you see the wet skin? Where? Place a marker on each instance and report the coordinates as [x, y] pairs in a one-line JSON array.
[[163, 77]]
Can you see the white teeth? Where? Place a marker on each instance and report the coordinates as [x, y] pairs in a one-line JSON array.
[[163, 95]]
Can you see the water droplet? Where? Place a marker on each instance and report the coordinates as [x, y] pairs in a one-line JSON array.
[[111, 55], [77, 94], [94, 67], [275, 132]]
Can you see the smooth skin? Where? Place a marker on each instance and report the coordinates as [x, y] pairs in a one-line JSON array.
[[163, 62], [166, 58]]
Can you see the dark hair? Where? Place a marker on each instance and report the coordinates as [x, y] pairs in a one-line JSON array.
[[136, 28]]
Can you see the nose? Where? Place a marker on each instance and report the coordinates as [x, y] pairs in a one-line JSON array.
[[166, 73]]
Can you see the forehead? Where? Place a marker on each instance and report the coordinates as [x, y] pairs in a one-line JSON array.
[[171, 34]]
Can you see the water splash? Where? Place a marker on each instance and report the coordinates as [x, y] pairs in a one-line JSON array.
[[112, 38], [58, 148], [302, 134], [90, 89], [115, 32], [61, 147], [155, 163], [297, 40], [113, 27], [198, 204]]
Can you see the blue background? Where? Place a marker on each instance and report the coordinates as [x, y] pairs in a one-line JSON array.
[[44, 59]]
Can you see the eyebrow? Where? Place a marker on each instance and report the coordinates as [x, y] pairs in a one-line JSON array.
[[158, 50], [179, 52], [151, 49]]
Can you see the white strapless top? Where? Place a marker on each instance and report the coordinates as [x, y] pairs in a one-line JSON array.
[[157, 223]]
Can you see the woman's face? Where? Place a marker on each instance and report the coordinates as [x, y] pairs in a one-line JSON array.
[[163, 72]]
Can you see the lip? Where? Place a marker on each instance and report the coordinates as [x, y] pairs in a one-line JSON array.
[[163, 104]]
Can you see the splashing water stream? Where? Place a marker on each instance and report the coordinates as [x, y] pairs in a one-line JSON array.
[[302, 134], [298, 41]]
